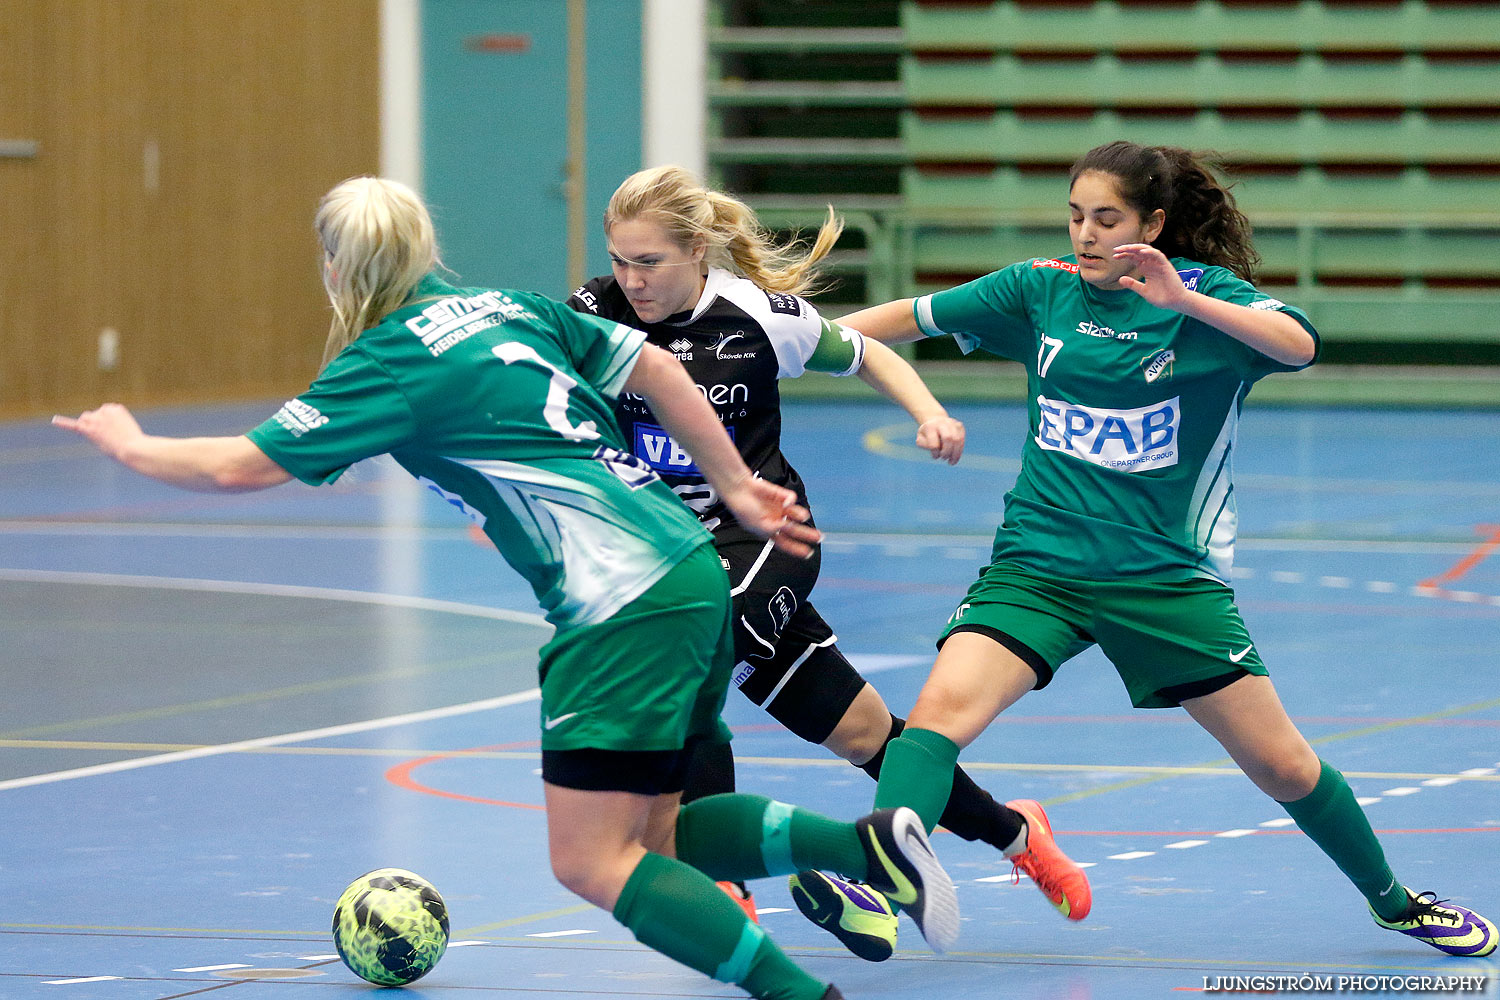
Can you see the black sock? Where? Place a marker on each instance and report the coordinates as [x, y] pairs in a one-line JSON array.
[[972, 812]]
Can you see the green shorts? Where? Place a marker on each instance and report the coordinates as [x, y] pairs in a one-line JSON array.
[[1167, 640], [652, 675]]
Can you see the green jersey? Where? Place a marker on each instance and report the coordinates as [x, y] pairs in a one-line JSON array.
[[501, 403], [1133, 411]]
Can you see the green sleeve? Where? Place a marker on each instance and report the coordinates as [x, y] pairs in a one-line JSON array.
[[1221, 283], [988, 313], [354, 410], [840, 350]]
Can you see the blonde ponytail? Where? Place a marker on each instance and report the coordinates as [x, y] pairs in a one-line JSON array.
[[733, 237], [378, 243]]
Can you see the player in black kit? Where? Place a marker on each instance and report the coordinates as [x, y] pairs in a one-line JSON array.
[[695, 269]]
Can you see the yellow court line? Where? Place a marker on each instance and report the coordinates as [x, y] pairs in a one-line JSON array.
[[132, 929], [1386, 727], [253, 697], [566, 911]]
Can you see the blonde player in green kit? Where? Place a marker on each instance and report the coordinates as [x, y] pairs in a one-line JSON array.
[[500, 401], [1139, 349]]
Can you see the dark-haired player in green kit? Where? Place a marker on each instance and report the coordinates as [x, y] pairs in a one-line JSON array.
[[500, 402], [1139, 350]]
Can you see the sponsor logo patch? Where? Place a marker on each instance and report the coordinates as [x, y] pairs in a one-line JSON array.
[[683, 348], [299, 418], [655, 447], [1125, 440], [781, 606], [1268, 304], [587, 298], [1190, 278], [1098, 330], [784, 303], [1059, 265], [454, 320]]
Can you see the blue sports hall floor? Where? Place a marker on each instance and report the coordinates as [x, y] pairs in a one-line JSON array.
[[218, 711]]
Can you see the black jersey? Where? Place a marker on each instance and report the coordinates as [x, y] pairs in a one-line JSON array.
[[736, 343]]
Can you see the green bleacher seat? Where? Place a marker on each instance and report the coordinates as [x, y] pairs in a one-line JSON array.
[[1302, 25]]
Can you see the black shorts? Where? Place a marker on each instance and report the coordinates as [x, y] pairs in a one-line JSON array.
[[785, 657]]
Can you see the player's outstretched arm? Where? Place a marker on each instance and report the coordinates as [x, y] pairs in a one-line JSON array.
[[205, 464], [889, 374], [890, 322], [765, 508]]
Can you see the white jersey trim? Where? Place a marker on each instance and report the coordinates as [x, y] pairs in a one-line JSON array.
[[793, 338], [922, 310], [1215, 517], [602, 567]]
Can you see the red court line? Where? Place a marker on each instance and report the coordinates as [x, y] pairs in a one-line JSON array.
[[1258, 833], [401, 776], [1468, 562]]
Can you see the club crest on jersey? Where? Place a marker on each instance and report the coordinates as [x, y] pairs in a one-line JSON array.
[[683, 348], [1159, 364], [724, 340], [1124, 440]]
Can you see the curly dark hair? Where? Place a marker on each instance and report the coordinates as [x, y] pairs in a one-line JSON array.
[[1202, 221]]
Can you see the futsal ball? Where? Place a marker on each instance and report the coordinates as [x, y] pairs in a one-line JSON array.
[[390, 927]]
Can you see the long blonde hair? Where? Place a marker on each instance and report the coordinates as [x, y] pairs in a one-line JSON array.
[[378, 243], [733, 237]]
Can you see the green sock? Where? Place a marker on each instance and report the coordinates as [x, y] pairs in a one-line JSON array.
[[1335, 822], [734, 837], [679, 912], [918, 772]]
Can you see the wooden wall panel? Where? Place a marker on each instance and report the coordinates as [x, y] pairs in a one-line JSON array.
[[19, 195], [185, 148]]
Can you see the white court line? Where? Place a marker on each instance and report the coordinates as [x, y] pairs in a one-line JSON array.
[[272, 590], [553, 934], [72, 982], [1183, 845], [214, 968], [1131, 855], [271, 741]]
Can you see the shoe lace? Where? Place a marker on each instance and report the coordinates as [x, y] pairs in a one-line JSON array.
[[1030, 864], [1428, 905]]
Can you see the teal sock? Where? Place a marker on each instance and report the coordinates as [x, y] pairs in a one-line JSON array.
[[735, 837], [1334, 821], [679, 912], [918, 772]]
